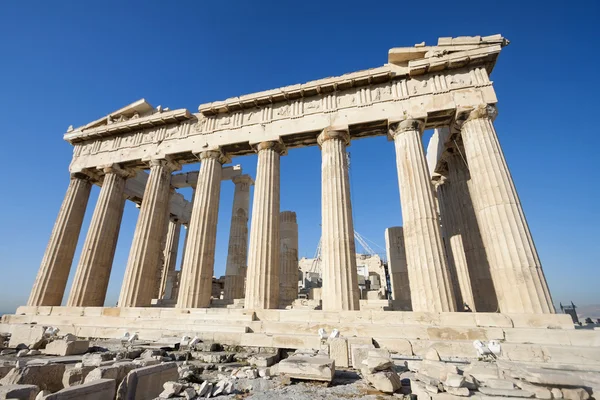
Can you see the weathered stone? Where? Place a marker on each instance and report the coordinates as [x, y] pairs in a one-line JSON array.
[[384, 381], [505, 392], [76, 376], [21, 392], [556, 393], [432, 355], [359, 352], [34, 353], [46, 377], [147, 382], [22, 353], [204, 388], [377, 360], [95, 359], [482, 371], [117, 371], [454, 380], [251, 373], [338, 351], [42, 394], [170, 389], [437, 369], [5, 369], [263, 359], [101, 389], [308, 368], [417, 388], [458, 391], [541, 392], [189, 393], [64, 348], [31, 336], [499, 384], [575, 394]]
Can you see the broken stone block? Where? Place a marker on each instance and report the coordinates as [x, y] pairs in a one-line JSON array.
[[147, 382], [188, 393], [482, 371], [263, 359], [454, 381], [499, 384], [338, 351], [203, 389], [64, 348], [458, 391], [22, 353], [316, 368], [251, 373], [437, 369], [97, 390], [556, 393], [42, 394], [384, 381], [378, 360], [95, 359], [575, 394], [213, 357], [170, 389], [417, 388], [540, 391], [31, 336], [358, 352], [46, 377], [21, 392], [117, 371], [505, 392], [76, 376], [34, 353]]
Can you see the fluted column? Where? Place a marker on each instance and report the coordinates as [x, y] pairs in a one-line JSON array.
[[288, 258], [237, 252], [449, 204], [465, 225], [169, 253], [262, 277], [430, 285], [516, 269], [397, 268], [144, 257], [93, 272], [50, 283], [195, 286], [340, 281]]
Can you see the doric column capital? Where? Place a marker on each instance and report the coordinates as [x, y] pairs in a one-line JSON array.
[[287, 216], [118, 170], [340, 133], [214, 154], [465, 114], [274, 145], [243, 179], [164, 162], [407, 124], [81, 175]]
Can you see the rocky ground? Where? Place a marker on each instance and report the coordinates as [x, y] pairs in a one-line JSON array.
[[41, 364]]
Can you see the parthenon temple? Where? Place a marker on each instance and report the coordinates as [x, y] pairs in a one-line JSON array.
[[465, 244]]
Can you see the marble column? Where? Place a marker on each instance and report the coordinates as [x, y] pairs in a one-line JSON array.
[[397, 268], [288, 258], [169, 253], [484, 293], [338, 252], [262, 278], [195, 286], [449, 205], [144, 257], [49, 286], [430, 285], [93, 272], [237, 252], [515, 266]]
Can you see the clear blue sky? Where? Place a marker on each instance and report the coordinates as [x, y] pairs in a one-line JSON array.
[[64, 63]]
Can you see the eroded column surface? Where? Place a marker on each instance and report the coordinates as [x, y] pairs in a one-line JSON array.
[[449, 205], [465, 225], [430, 285], [51, 280], [169, 253], [340, 281], [237, 252], [139, 283], [288, 258], [93, 272], [515, 266], [195, 285], [262, 278], [397, 268]]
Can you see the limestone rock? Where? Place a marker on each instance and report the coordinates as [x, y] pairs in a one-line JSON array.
[[384, 381], [96, 390], [358, 352], [541, 392], [95, 359], [189, 393], [505, 392], [21, 392], [308, 368], [31, 336], [147, 382], [170, 389], [204, 388], [378, 360], [67, 348], [117, 371], [575, 394], [458, 391], [556, 393], [42, 394], [22, 353], [499, 384], [432, 355], [263, 359], [75, 376], [46, 377], [338, 351], [417, 388], [454, 381], [437, 369], [482, 371]]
